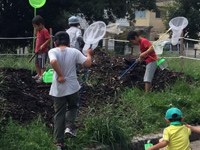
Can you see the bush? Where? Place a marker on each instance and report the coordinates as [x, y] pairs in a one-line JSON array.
[[107, 130]]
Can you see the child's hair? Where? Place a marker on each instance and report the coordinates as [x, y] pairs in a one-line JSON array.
[[174, 118], [38, 20], [74, 25], [131, 35], [61, 38]]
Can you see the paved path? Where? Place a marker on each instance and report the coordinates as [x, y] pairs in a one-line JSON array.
[[195, 145]]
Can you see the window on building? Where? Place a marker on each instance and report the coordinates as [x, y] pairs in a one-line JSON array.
[[140, 14], [158, 14]]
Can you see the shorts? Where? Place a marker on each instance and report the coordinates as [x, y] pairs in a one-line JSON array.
[[149, 72], [40, 59]]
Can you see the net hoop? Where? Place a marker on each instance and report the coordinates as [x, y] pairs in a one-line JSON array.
[[95, 32], [37, 3]]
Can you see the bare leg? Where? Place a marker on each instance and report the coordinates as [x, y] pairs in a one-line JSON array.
[[42, 71], [38, 70], [147, 87]]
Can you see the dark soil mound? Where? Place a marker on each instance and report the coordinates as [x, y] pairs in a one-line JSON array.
[[107, 68], [21, 98]]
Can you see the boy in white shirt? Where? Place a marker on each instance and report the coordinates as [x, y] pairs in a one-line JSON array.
[[75, 35], [65, 86]]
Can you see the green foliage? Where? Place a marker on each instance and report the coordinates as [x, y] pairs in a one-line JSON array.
[[188, 66], [16, 62], [107, 10], [112, 124], [181, 8], [34, 136], [107, 130], [20, 14], [146, 113]]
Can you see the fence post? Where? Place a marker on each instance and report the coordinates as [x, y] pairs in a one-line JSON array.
[[51, 40], [195, 52], [106, 42], [181, 51]]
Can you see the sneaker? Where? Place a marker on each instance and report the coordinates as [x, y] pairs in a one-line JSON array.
[[36, 77], [59, 146], [70, 132], [39, 80]]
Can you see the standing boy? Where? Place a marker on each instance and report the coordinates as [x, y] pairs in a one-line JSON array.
[[75, 35], [175, 136], [147, 54], [41, 48], [65, 86]]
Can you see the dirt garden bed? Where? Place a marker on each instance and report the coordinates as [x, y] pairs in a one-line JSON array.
[[21, 98]]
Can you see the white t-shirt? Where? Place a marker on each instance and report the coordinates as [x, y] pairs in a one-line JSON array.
[[74, 33], [67, 60]]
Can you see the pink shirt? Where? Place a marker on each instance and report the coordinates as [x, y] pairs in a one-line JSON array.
[[144, 45], [42, 37]]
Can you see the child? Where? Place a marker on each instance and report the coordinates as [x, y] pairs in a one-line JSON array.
[[41, 48], [148, 55], [75, 35], [175, 136], [65, 86]]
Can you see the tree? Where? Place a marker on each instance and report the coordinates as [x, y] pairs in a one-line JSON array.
[[189, 9], [16, 15], [109, 10]]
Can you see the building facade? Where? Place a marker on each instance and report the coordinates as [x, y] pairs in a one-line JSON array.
[[151, 22]]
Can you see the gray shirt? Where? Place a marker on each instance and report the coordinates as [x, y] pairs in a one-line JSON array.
[[67, 60]]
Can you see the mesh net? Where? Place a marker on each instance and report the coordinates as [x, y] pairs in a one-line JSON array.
[[158, 47], [94, 32], [113, 28], [37, 3], [177, 25]]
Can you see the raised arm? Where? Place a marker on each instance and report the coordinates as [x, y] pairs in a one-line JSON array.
[[88, 62]]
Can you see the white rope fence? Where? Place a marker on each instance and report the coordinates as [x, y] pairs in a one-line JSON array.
[[189, 39], [15, 54], [183, 57], [126, 41], [111, 39], [16, 38], [22, 38]]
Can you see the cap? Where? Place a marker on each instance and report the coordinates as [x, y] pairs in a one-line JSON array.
[[170, 113], [73, 20]]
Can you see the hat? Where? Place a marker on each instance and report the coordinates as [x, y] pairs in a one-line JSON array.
[[73, 20], [170, 114]]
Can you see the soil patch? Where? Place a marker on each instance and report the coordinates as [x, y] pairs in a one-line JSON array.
[[21, 98]]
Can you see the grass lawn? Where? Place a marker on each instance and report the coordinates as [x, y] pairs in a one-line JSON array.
[[116, 123]]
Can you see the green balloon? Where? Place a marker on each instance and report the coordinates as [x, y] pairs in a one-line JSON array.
[[37, 3]]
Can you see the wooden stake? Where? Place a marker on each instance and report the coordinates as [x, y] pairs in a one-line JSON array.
[[181, 52], [51, 41], [106, 42]]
